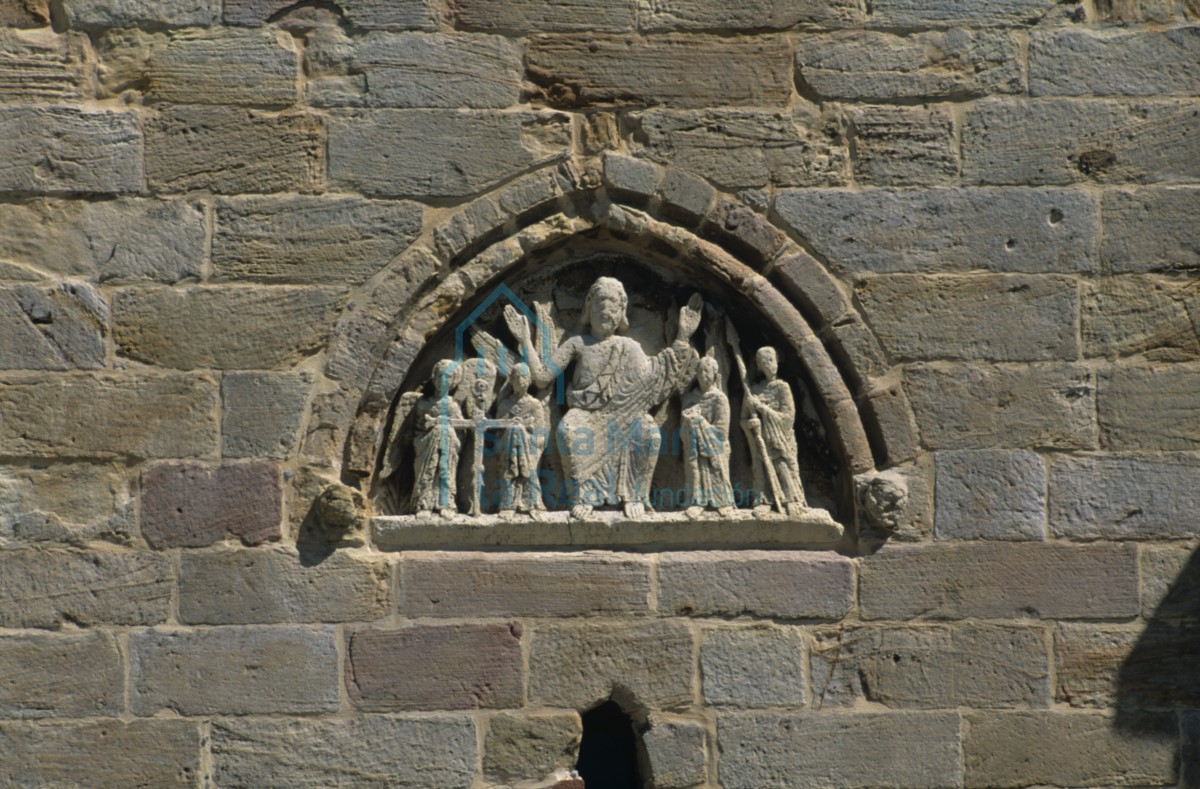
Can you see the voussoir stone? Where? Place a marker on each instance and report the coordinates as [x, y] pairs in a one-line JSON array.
[[107, 415], [63, 327], [61, 675], [917, 316], [97, 14], [990, 494], [1061, 141], [754, 667], [190, 505], [530, 747], [1089, 62], [831, 749], [442, 153], [435, 667], [936, 666], [40, 65], [105, 754], [363, 752], [328, 239], [1151, 230], [1150, 406], [229, 150], [67, 149], [740, 148], [1125, 497], [783, 584], [47, 588], [590, 69], [971, 406], [488, 584], [229, 327], [233, 670], [936, 230], [117, 240], [1044, 748], [864, 64], [578, 665], [226, 587], [1000, 581]]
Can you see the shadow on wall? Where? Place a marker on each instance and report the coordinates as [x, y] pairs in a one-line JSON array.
[[1158, 683]]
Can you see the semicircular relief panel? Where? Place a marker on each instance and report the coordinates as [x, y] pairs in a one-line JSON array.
[[607, 398]]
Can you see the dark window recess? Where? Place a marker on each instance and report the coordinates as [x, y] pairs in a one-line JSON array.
[[608, 755]]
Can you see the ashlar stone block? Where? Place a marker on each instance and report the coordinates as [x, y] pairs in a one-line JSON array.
[[62, 327], [40, 65], [754, 667], [530, 747], [66, 149], [261, 413], [1098, 62], [190, 505], [62, 675], [1124, 497], [990, 494]]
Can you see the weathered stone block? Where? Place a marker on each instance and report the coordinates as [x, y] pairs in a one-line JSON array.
[[98, 14], [64, 676], [1000, 581], [65, 149], [676, 754], [233, 670], [230, 149], [361, 751], [967, 406], [266, 586], [1089, 62], [530, 747], [25, 13], [831, 749], [94, 415], [966, 665], [781, 584], [440, 152], [53, 328], [535, 16], [922, 13], [1137, 314], [578, 665], [657, 15], [863, 64], [261, 413], [75, 502], [1012, 749], [1189, 752], [1062, 141], [746, 148], [435, 667], [189, 505], [1151, 230], [101, 754], [334, 240], [1170, 580], [248, 67], [489, 584], [423, 70], [585, 70], [40, 65], [226, 327], [754, 667], [990, 494], [1130, 667], [119, 240], [899, 146], [881, 230], [1150, 407], [366, 14], [925, 317], [47, 588], [1122, 497]]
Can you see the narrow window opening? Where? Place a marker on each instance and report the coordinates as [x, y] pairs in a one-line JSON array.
[[608, 755]]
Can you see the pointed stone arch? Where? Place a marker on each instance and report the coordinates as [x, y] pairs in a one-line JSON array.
[[621, 203]]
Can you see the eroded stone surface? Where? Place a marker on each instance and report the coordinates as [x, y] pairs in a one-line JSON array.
[[991, 495], [66, 149], [1124, 496], [53, 328], [63, 675], [530, 747], [191, 505], [754, 667]]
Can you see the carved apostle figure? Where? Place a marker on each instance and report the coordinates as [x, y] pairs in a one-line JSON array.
[[522, 445], [437, 444], [769, 419], [706, 444], [608, 439]]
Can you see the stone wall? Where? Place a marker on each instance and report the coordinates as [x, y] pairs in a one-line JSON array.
[[223, 225]]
